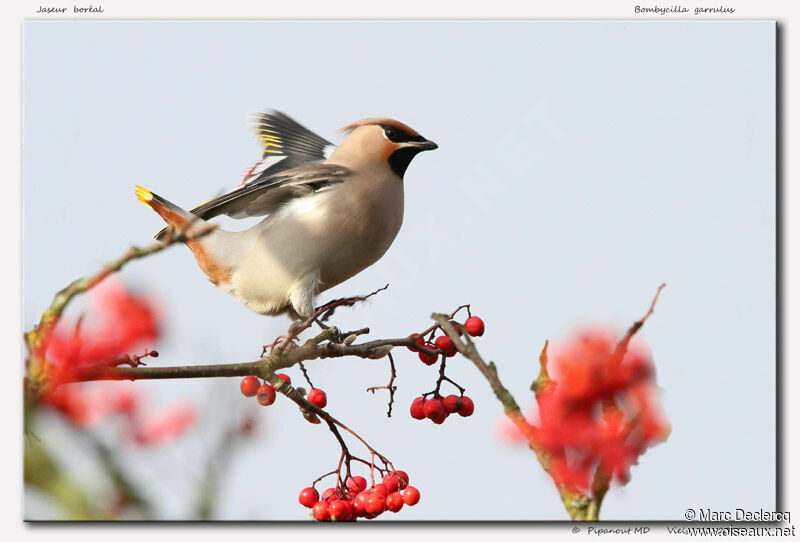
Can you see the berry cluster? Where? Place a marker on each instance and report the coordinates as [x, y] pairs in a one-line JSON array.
[[251, 386], [437, 408], [357, 501], [474, 326]]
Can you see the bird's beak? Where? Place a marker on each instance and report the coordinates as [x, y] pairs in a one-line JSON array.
[[422, 145]]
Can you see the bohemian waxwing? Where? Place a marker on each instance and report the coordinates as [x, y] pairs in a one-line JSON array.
[[330, 212]]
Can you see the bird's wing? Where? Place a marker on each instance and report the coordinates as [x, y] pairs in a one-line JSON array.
[[263, 196], [286, 144]]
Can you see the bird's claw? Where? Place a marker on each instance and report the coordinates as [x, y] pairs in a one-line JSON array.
[[279, 341]]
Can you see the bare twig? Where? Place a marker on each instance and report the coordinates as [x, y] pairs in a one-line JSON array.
[[622, 346], [305, 373], [390, 386], [327, 310]]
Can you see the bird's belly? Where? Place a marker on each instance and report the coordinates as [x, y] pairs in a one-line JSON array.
[[263, 282]]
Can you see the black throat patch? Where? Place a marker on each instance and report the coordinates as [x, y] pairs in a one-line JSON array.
[[400, 159]]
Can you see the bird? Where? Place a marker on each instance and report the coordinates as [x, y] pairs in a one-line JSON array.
[[329, 212]]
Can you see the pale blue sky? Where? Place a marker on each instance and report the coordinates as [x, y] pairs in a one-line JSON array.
[[580, 165]]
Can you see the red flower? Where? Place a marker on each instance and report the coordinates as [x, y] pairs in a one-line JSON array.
[[119, 322], [601, 410]]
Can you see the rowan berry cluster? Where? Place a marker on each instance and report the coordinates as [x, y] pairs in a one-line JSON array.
[[251, 386], [356, 501], [437, 408], [474, 326]]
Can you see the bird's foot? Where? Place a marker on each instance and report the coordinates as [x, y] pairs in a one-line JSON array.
[[297, 327], [279, 341]]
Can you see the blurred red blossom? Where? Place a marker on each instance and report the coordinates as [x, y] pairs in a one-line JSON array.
[[597, 408], [82, 405], [118, 323], [165, 425], [88, 403]]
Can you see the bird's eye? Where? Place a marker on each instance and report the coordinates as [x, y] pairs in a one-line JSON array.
[[391, 132]]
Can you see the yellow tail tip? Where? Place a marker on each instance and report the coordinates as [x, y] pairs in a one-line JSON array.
[[144, 195]]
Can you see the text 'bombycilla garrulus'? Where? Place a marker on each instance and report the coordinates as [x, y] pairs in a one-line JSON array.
[[330, 212]]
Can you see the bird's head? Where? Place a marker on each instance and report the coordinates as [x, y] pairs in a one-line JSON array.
[[384, 140]]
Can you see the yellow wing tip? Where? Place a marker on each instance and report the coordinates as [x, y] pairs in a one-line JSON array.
[[144, 195]]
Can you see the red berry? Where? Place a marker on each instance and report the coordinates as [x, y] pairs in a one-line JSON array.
[[317, 397], [249, 386], [445, 344], [467, 406], [328, 493], [411, 495], [381, 489], [266, 394], [309, 497], [418, 408], [340, 510], [360, 502], [394, 502], [425, 358], [395, 480], [390, 481], [451, 403], [457, 327], [433, 408], [420, 341], [357, 483], [376, 503], [321, 511], [403, 476], [284, 377], [474, 326], [438, 420]]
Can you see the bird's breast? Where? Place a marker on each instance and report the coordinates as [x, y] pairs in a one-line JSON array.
[[342, 230]]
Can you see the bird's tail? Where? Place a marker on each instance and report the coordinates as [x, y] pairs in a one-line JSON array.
[[172, 214]]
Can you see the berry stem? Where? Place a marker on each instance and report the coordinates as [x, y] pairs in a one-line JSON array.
[[388, 386], [305, 374], [442, 378]]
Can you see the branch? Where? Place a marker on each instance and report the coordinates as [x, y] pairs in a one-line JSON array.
[[390, 386], [186, 371]]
